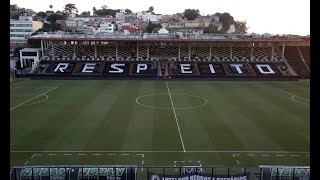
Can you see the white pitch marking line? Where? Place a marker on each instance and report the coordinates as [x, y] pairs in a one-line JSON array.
[[307, 155], [265, 155], [125, 154], [292, 98], [67, 154], [32, 98], [52, 154], [190, 161], [174, 112], [238, 161], [142, 162], [47, 97], [199, 163], [294, 155], [26, 163], [17, 83], [141, 155], [279, 155], [270, 152], [182, 161], [35, 155], [294, 94]]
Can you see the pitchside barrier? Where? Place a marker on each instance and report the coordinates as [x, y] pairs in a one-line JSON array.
[[159, 173], [158, 70]]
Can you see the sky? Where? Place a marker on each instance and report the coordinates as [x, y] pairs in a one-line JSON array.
[[262, 16]]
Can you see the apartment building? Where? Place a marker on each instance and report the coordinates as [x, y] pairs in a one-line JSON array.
[[21, 29]]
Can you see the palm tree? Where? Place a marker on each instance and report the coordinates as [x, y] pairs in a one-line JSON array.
[[150, 9], [51, 7], [94, 10]]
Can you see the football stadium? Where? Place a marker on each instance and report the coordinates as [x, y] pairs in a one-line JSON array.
[[162, 106]]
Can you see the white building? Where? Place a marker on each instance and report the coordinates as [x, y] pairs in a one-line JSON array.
[[107, 27], [30, 57], [149, 17], [232, 29], [163, 31], [21, 30], [120, 16]]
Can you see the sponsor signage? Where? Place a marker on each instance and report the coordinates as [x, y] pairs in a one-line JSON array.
[[155, 176], [74, 173], [285, 173]]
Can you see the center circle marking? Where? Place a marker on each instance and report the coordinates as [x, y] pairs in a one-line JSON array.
[[160, 94]]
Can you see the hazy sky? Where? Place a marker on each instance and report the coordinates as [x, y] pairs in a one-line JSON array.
[[272, 16]]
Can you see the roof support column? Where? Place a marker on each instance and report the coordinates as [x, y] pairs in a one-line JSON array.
[[52, 49], [21, 63], [282, 54], [116, 51], [231, 52], [189, 52], [179, 51], [272, 50], [95, 50], [210, 51], [137, 50], [251, 56], [148, 51], [42, 53], [74, 49]]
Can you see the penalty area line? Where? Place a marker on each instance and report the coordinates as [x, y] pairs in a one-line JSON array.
[[32, 98]]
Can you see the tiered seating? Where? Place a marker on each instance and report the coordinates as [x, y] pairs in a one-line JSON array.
[[293, 57], [184, 52], [143, 51], [203, 52], [166, 51], [260, 54]]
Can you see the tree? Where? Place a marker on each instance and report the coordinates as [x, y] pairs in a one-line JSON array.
[[94, 10], [104, 7], [70, 8], [156, 30], [41, 14], [241, 27], [85, 13], [151, 27], [151, 9], [191, 14], [211, 29], [54, 17], [104, 12], [51, 7], [14, 7], [128, 11], [226, 19]]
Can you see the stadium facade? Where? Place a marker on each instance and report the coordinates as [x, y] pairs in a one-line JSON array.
[[156, 56]]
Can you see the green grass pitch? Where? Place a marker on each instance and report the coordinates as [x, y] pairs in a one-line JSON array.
[[159, 123]]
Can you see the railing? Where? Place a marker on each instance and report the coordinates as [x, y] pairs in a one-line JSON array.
[[163, 36], [157, 173]]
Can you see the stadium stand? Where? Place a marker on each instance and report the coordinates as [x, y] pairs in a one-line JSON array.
[[293, 57]]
